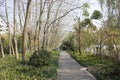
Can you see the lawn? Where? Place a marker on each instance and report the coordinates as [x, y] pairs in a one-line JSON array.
[[12, 69]]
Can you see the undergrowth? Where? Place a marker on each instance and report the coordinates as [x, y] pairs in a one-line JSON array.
[[101, 69], [12, 69]]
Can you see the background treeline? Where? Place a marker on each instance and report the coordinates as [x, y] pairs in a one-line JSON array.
[[97, 49], [32, 25]]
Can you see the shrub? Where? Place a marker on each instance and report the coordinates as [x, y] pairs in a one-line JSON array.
[[66, 45], [5, 41], [40, 58]]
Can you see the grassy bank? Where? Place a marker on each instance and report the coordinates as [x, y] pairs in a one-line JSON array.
[[12, 69], [101, 69]]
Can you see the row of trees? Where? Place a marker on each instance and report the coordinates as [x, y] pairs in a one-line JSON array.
[[106, 39], [36, 24]]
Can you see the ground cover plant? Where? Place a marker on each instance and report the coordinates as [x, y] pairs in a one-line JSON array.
[[12, 69]]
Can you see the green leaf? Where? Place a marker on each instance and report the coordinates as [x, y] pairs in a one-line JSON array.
[[96, 15]]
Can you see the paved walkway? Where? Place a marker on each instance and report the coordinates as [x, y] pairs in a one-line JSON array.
[[69, 69]]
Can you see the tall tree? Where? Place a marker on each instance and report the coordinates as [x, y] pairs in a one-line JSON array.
[[8, 25], [113, 24], [15, 30], [49, 23], [25, 31], [42, 7], [79, 37]]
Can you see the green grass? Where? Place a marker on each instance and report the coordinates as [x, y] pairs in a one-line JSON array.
[[12, 69], [91, 60], [101, 69]]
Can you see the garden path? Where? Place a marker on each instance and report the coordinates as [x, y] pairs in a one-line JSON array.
[[69, 69]]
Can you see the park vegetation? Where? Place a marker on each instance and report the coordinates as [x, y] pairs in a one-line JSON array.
[[35, 29], [33, 32], [98, 49]]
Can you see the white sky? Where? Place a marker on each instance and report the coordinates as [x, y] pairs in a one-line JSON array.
[[69, 20], [94, 5]]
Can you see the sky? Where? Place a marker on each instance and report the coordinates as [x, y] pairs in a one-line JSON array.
[[69, 19], [10, 9], [94, 5]]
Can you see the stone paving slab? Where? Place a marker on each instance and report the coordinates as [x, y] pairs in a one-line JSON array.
[[69, 69]]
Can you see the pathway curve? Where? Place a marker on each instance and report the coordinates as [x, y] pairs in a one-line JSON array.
[[69, 69]]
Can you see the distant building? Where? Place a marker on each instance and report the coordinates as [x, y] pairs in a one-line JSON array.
[[94, 49]]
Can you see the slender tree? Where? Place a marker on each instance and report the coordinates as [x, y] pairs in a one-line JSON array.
[[15, 30], [25, 31], [10, 40]]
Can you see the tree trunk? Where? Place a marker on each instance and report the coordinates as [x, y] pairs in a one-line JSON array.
[[79, 39], [25, 31], [20, 15], [15, 30], [43, 42], [30, 41], [10, 41], [13, 52], [100, 48], [1, 45], [36, 30], [46, 25]]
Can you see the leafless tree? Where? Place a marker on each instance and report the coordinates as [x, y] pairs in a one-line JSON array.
[[10, 40], [15, 30], [25, 31]]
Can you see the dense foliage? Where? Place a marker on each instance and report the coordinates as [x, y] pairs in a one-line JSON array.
[[5, 42], [96, 15], [67, 46], [40, 58]]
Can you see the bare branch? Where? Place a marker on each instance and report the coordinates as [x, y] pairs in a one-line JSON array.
[[63, 16], [1, 2]]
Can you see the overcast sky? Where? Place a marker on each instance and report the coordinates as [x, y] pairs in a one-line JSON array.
[[94, 5], [69, 19]]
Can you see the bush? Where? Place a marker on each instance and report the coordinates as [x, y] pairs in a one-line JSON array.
[[5, 41], [40, 58], [66, 45]]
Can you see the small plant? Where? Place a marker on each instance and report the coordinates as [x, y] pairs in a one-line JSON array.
[[40, 58]]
